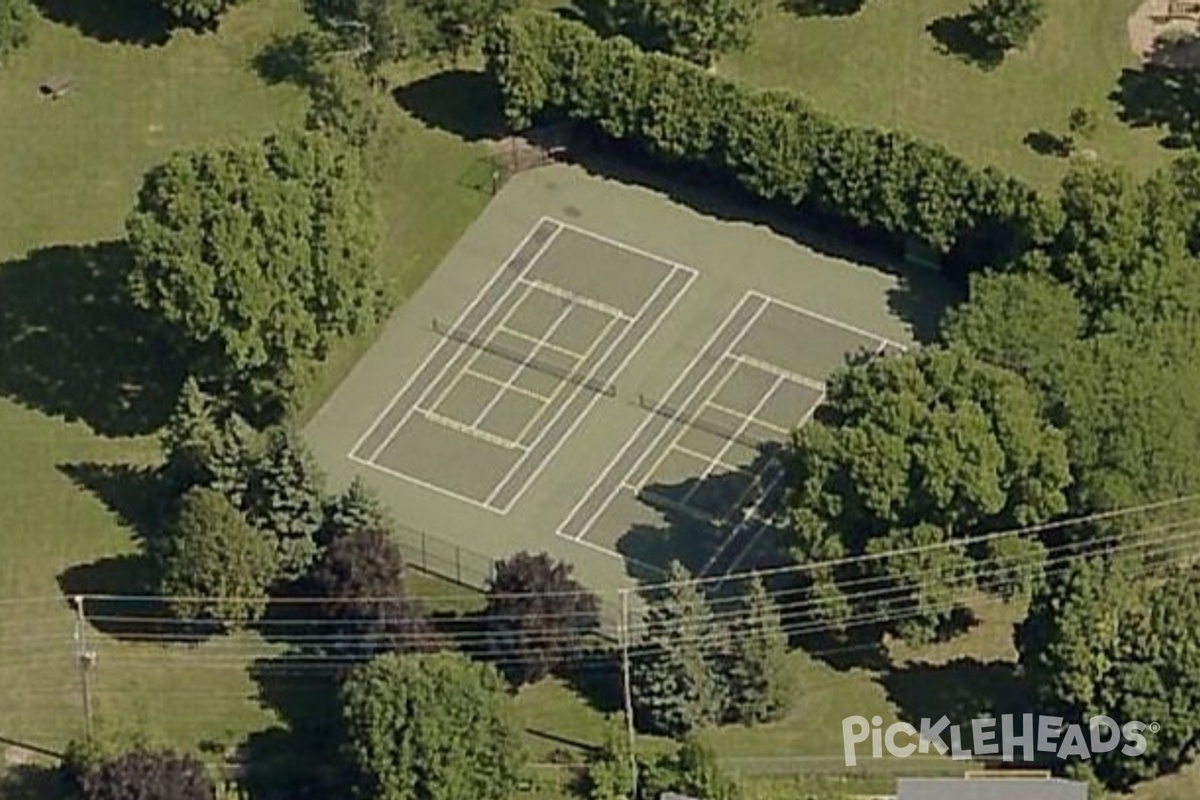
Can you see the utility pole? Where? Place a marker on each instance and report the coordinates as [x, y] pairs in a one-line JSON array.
[[85, 660], [624, 635]]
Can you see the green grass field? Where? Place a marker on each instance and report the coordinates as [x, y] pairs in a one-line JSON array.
[[882, 67]]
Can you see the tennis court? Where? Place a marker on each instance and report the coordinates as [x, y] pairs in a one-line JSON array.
[[509, 381], [708, 450]]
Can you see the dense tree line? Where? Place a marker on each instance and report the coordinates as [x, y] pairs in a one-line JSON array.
[[772, 143]]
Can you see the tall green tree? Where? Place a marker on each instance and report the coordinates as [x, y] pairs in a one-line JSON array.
[[141, 774], [696, 30], [357, 508], [258, 258], [538, 616], [197, 13], [430, 727], [1003, 25], [910, 453], [214, 561], [16, 17], [692, 770], [757, 675], [674, 676], [397, 29], [608, 774], [1114, 638], [285, 498]]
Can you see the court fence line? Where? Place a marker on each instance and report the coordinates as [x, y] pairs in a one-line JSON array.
[[452, 562]]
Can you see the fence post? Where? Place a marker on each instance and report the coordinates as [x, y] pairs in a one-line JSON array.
[[458, 562], [424, 553]]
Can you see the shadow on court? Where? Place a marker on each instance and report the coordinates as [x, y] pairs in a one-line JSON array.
[[706, 543]]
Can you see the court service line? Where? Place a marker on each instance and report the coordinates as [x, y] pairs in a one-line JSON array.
[[733, 412], [441, 372], [746, 421], [830, 320], [575, 297], [562, 384], [780, 372], [537, 398], [471, 430], [516, 334], [558, 321], [499, 273], [701, 457], [649, 334], [619, 244], [717, 332], [422, 483]]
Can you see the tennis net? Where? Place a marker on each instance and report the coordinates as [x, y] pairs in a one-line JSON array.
[[694, 420], [526, 360]]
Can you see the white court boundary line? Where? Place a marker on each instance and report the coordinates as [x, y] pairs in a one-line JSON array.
[[587, 409], [491, 313], [496, 276], [716, 333], [846, 326]]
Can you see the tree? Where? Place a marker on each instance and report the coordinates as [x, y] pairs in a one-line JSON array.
[[691, 770], [285, 500], [397, 29], [675, 684], [1002, 25], [430, 726], [258, 258], [362, 574], [697, 30], [538, 616], [1103, 637], [757, 674], [608, 776], [356, 509], [197, 13], [16, 16], [910, 453], [147, 775], [212, 552]]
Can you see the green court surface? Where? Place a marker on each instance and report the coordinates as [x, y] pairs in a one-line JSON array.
[[602, 373]]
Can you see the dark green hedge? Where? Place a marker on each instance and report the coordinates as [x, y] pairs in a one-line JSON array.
[[773, 143]]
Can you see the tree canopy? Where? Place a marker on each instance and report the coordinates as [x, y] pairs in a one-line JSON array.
[[16, 16], [212, 552], [430, 727], [198, 13], [142, 774], [538, 616], [908, 453], [1002, 25], [258, 258], [697, 30]]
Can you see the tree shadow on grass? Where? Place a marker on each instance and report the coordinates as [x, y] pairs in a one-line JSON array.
[[35, 782], [1161, 95], [73, 344], [824, 8], [140, 22], [963, 689], [459, 101], [1046, 143], [954, 37]]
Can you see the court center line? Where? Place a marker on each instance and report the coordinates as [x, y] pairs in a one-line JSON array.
[[562, 384], [516, 334], [719, 331], [629, 248], [471, 430], [538, 398], [578, 299], [496, 276], [637, 347], [829, 320], [779, 379], [562, 316], [487, 318], [781, 372]]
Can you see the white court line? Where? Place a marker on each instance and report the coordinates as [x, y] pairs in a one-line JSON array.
[[745, 423], [444, 342], [678, 417], [781, 372], [600, 237], [565, 294], [441, 372], [516, 334], [733, 412], [701, 457], [717, 332], [606, 551], [538, 398], [830, 320], [562, 316], [649, 334], [423, 484], [471, 430], [562, 384], [674, 505]]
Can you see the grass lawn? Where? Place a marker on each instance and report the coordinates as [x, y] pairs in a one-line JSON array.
[[882, 67]]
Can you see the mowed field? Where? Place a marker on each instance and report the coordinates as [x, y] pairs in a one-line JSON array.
[[882, 66]]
